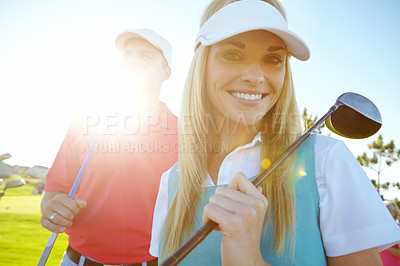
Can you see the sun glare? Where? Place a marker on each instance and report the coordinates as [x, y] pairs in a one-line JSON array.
[[302, 172], [265, 163]]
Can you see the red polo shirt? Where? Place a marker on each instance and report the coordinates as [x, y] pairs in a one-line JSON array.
[[120, 183]]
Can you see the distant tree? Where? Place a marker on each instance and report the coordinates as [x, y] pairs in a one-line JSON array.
[[380, 153], [310, 120], [385, 185], [374, 183]]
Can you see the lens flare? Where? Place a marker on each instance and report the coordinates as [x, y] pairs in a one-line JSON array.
[[265, 163], [301, 172]]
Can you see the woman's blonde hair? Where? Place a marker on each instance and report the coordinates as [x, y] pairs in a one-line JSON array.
[[393, 208], [281, 128]]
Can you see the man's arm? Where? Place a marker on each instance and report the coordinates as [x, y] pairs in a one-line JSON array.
[[64, 207]]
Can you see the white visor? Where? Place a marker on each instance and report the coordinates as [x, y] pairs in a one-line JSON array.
[[247, 15]]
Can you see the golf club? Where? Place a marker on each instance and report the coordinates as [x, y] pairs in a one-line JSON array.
[[5, 156], [11, 184], [53, 236], [352, 116]]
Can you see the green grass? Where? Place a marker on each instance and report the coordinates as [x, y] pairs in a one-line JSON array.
[[22, 238]]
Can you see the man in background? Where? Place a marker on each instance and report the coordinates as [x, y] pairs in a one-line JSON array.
[[109, 221]]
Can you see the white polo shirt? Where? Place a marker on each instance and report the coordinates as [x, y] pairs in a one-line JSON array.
[[352, 215]]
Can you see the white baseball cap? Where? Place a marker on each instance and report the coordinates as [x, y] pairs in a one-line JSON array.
[[247, 15], [149, 35]]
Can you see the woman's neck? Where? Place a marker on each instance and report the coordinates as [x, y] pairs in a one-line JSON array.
[[225, 140]]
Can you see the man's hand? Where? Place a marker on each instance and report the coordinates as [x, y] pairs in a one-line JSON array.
[[58, 211]]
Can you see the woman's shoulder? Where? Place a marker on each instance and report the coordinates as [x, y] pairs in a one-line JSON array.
[[167, 175], [323, 140], [171, 170], [324, 144]]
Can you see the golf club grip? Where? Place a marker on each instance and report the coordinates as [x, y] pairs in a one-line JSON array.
[[190, 244]]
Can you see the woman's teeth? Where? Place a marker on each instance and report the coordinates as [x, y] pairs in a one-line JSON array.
[[247, 96]]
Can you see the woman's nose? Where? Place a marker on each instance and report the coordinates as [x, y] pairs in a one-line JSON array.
[[253, 74]]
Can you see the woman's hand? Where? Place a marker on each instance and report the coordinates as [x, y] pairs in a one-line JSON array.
[[239, 210]]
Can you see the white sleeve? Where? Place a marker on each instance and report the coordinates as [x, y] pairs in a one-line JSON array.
[[160, 212], [352, 215]]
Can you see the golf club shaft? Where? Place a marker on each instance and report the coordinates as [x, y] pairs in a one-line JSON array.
[[206, 229], [256, 182], [71, 195], [47, 249]]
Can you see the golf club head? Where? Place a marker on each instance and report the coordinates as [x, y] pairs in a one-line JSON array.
[[356, 117], [5, 156], [14, 183]]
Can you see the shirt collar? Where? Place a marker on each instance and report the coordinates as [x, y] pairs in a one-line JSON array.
[[256, 141]]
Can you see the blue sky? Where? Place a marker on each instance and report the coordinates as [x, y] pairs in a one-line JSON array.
[[58, 57]]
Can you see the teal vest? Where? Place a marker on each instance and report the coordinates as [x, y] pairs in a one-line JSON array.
[[309, 249]]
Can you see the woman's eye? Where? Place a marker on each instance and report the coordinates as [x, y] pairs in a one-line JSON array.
[[273, 60], [231, 56]]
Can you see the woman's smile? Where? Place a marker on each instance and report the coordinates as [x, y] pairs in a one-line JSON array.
[[247, 96]]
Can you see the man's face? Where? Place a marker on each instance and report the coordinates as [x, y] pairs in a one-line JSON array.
[[144, 65]]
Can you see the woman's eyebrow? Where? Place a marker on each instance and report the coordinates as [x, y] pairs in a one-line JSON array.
[[242, 46], [234, 43], [275, 48]]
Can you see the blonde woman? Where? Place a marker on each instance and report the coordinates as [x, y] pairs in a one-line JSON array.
[[239, 113]]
